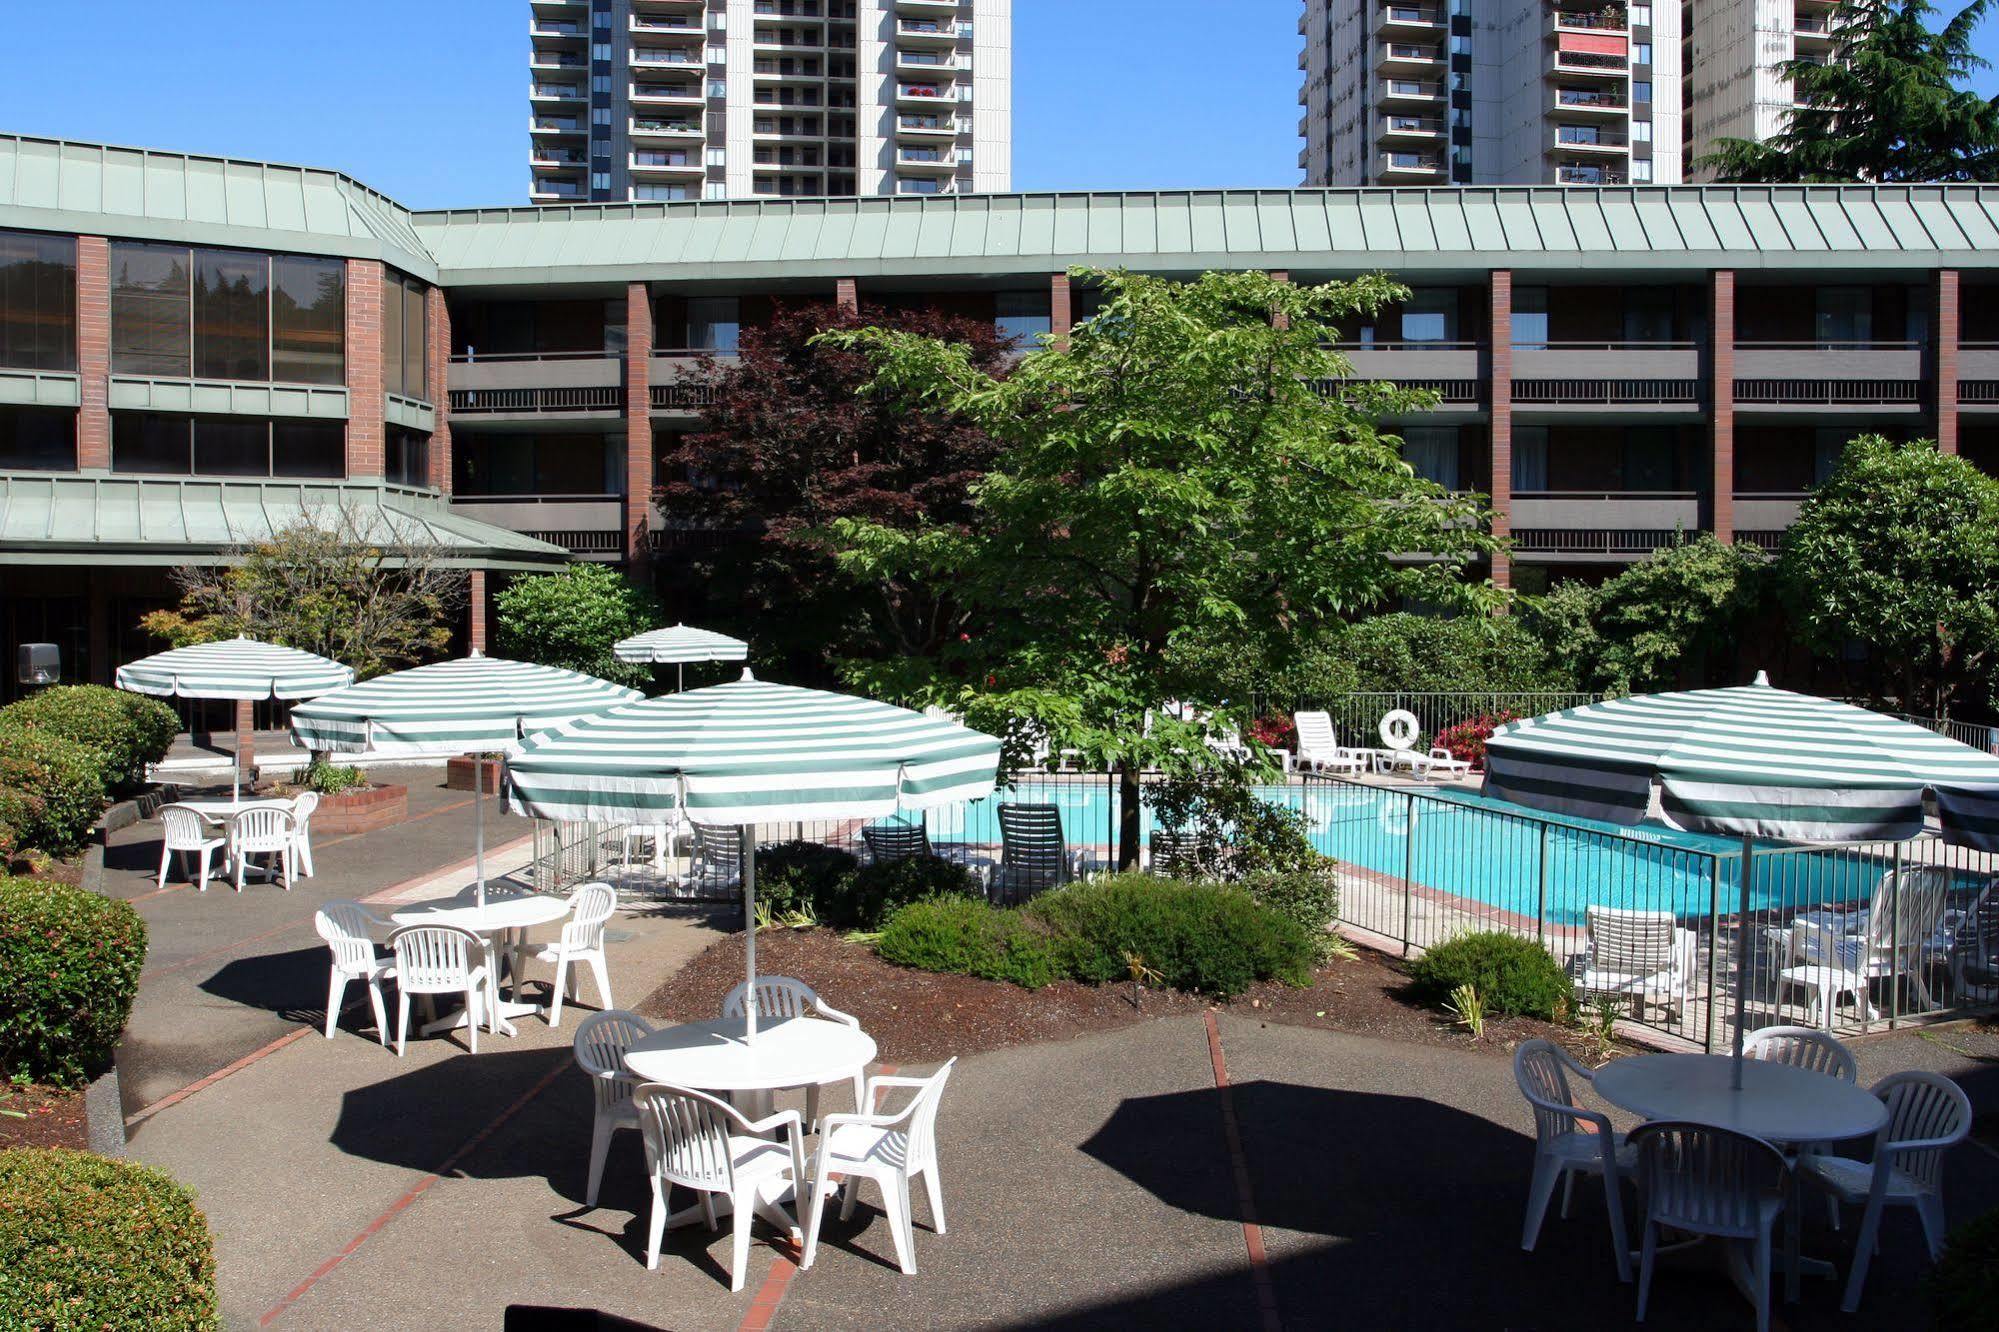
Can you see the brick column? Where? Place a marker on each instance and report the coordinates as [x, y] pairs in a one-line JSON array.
[[475, 610], [1278, 318], [1945, 334], [1061, 310], [437, 388], [1499, 324], [638, 425], [93, 352], [366, 398], [847, 295], [1721, 395]]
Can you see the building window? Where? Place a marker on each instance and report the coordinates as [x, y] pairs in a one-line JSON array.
[[1530, 317], [1641, 90], [406, 457], [405, 336], [584, 466], [1641, 131], [1022, 316], [308, 320], [37, 301], [232, 315], [1641, 169], [714, 323], [227, 314], [1641, 53], [661, 193], [1641, 16], [1432, 453], [153, 443], [600, 180], [917, 185], [1530, 459], [37, 439], [150, 318], [1430, 315]]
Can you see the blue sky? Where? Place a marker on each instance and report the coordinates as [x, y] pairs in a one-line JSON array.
[[425, 99]]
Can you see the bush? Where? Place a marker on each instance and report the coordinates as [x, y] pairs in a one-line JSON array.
[[1963, 1287], [1514, 977], [71, 960], [1466, 740], [971, 937], [328, 778], [87, 1242], [54, 786], [1209, 938], [1221, 810], [873, 892], [1308, 897], [802, 876], [125, 731]]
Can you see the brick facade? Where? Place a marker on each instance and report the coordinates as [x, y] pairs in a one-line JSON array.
[[847, 294], [436, 389], [1500, 320], [93, 352], [1945, 357], [475, 610], [638, 424], [1721, 399], [1061, 309], [366, 398]]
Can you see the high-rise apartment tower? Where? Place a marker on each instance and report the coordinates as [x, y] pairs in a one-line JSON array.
[[1475, 92], [1737, 49], [724, 99]]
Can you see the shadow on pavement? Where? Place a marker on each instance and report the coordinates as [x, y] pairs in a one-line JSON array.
[[291, 985]]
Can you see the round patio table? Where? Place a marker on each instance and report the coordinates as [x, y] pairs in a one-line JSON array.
[[513, 915], [1793, 1107], [716, 1057]]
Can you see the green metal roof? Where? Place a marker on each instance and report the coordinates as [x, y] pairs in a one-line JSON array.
[[143, 194], [122, 520]]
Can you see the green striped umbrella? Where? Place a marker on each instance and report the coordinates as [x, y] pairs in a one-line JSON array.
[[1751, 761], [746, 753], [469, 705], [235, 668], [678, 646]]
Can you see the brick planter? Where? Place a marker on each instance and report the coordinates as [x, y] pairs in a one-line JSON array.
[[458, 774], [361, 811]]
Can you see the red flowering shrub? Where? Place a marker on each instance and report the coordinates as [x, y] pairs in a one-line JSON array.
[[1466, 740], [1273, 732]]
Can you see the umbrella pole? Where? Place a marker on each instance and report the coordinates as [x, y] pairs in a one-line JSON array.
[[748, 833], [679, 678], [1748, 947], [479, 828]]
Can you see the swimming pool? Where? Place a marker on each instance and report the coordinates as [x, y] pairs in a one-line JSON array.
[[1464, 845]]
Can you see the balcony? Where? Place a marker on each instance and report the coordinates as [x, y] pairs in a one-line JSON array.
[[942, 160], [1397, 126], [1978, 376], [1841, 377], [1411, 362], [1420, 92], [925, 94], [1579, 526], [535, 387], [1606, 18], [1409, 57], [1572, 60], [920, 31], [666, 25], [557, 60], [674, 165], [1589, 139], [666, 129], [554, 125], [555, 191], [1592, 102], [555, 92], [557, 29], [659, 94], [925, 125], [1407, 166], [1398, 17], [660, 58], [1583, 173], [542, 158], [1629, 362], [1766, 511]]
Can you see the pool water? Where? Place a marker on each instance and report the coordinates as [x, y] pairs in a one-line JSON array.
[[1468, 846]]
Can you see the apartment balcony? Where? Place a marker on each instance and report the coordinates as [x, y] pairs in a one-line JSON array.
[[658, 58], [667, 25], [543, 158], [1399, 167], [1811, 33], [927, 64], [1978, 378], [923, 8], [925, 126], [1396, 127], [559, 8], [774, 72], [926, 94], [1656, 380], [921, 161], [1590, 173], [773, 43], [1599, 18], [555, 126], [1589, 140], [654, 94], [591, 527], [1588, 57], [556, 191], [557, 31], [1766, 511], [1414, 362], [1398, 18], [555, 93], [1577, 527], [529, 388], [1411, 92], [1416, 58], [556, 61], [927, 31], [1592, 103], [667, 166], [1838, 378], [677, 130]]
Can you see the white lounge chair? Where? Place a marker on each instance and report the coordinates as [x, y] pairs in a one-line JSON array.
[[601, 1042], [1569, 1141], [1641, 955], [1710, 1181], [1838, 956], [1438, 760], [1974, 950], [718, 858], [892, 1150], [1319, 748]]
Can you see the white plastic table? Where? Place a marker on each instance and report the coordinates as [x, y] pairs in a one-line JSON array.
[[513, 914], [715, 1057], [1778, 1103]]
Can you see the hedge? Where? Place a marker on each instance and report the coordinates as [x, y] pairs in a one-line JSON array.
[[969, 936], [125, 731], [51, 789], [801, 876], [87, 1242], [71, 961], [1515, 977], [875, 891]]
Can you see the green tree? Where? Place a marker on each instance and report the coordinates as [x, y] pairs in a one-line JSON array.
[[1673, 619], [1899, 551], [1889, 105], [571, 618], [1435, 654], [1193, 466]]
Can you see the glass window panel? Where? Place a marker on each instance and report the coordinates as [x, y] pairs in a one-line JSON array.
[[416, 342], [232, 314], [392, 334], [37, 439], [1022, 315], [308, 448], [569, 465], [149, 309], [1430, 315], [408, 458], [1845, 314], [500, 465], [308, 320], [1530, 316], [149, 442], [1432, 453], [713, 323], [1530, 459], [231, 446], [1648, 458], [37, 301]]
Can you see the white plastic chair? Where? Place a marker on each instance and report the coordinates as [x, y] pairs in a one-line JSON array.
[[1569, 1141], [1927, 1115], [348, 928], [1710, 1181], [663, 836], [1802, 1047], [1642, 955], [780, 997], [890, 1149], [582, 943], [601, 1042], [1974, 950], [718, 858], [707, 1145], [442, 959], [303, 806], [1319, 748], [263, 830], [187, 832], [1887, 942]]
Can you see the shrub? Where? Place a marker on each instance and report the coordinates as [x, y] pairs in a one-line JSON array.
[[971, 937], [71, 960], [57, 788], [801, 876], [87, 1242], [1466, 740], [1209, 938], [328, 778], [124, 731], [874, 891], [1222, 810], [1963, 1288], [1514, 977], [1309, 897]]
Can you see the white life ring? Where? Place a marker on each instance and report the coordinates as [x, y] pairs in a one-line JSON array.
[[1398, 817], [1399, 729]]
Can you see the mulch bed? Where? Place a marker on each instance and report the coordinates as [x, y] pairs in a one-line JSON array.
[[53, 1118], [921, 1017]]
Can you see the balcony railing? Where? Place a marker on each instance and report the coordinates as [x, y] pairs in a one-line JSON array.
[[1408, 124], [1395, 13], [1411, 88], [1602, 20], [1555, 392], [1592, 60], [1592, 541], [1589, 175], [1588, 136], [1829, 392], [1411, 51], [1582, 97], [596, 398]]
